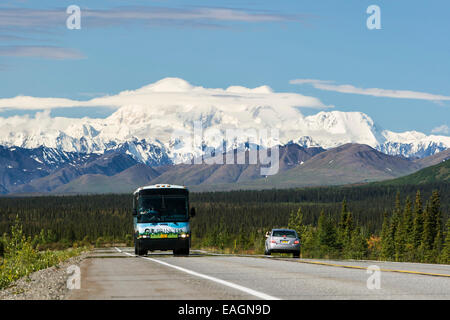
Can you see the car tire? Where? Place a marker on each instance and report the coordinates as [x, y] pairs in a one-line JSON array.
[[296, 254]]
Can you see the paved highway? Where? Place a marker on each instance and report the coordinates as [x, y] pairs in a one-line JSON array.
[[117, 273]]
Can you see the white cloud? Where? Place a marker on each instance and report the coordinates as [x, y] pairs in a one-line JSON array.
[[52, 21], [46, 52], [172, 92], [444, 129], [42, 19], [375, 92]]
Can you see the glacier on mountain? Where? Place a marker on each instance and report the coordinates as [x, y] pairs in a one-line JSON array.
[[150, 131]]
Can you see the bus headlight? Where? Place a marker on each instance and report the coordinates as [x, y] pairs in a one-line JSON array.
[[184, 235]]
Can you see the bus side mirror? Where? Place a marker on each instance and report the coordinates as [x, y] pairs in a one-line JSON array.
[[134, 212], [192, 212]]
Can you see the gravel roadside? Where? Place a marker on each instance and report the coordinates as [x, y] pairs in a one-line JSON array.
[[46, 284]]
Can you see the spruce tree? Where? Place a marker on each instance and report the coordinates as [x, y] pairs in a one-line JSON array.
[[427, 234], [394, 229], [331, 234], [445, 253], [397, 209], [291, 221], [437, 247], [308, 247], [435, 212], [296, 222], [407, 238], [358, 245], [321, 228], [326, 235], [417, 225], [387, 242], [436, 216], [342, 226], [347, 234]]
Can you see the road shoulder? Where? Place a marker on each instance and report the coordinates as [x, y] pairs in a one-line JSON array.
[[45, 284]]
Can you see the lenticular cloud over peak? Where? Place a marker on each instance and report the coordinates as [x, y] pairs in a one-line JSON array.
[[152, 113], [174, 92]]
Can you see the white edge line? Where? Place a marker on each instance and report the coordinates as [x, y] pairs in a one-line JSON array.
[[223, 282], [217, 280]]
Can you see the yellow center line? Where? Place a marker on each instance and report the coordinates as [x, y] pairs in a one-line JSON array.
[[365, 268], [335, 265]]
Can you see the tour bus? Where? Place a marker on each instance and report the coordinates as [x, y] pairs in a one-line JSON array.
[[161, 219]]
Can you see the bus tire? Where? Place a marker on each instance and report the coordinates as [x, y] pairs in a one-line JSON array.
[[139, 251]]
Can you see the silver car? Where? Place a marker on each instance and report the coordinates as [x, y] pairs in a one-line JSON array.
[[282, 240]]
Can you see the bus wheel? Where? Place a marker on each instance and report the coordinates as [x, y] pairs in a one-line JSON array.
[[139, 251]]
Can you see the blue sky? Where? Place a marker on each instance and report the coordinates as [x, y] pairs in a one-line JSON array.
[[124, 45]]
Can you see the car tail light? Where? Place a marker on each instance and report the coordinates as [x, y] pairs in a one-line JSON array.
[[296, 242]]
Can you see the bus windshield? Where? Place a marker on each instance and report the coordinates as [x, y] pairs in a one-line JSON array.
[[156, 208]]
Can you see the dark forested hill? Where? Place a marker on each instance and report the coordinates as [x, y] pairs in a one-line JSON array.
[[433, 174]]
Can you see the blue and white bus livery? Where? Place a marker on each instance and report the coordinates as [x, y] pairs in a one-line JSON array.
[[161, 219]]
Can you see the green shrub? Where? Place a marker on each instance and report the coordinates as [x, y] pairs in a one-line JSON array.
[[21, 259], [100, 242], [129, 240]]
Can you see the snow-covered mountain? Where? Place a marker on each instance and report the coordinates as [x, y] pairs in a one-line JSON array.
[[163, 133], [412, 144], [20, 166], [331, 129]]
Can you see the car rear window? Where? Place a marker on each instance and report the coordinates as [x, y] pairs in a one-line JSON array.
[[284, 233]]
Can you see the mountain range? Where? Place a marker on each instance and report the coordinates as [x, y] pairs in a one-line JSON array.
[[156, 134], [117, 172], [142, 143]]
